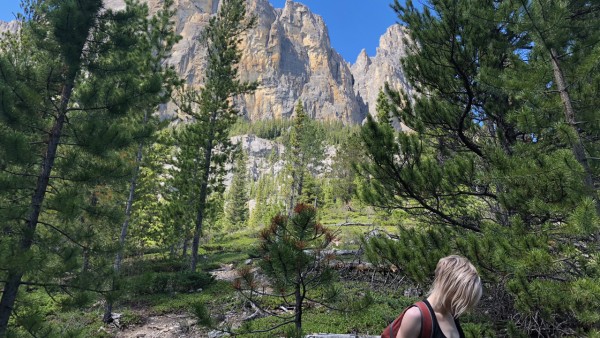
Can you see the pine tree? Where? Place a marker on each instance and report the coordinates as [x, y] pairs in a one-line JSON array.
[[75, 84], [293, 257], [204, 142], [161, 39], [304, 153], [564, 39], [237, 204], [343, 176], [490, 164], [267, 199]]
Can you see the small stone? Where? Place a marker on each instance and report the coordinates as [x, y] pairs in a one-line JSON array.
[[248, 261], [217, 334]]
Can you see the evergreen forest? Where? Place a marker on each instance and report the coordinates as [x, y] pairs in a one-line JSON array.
[[116, 221]]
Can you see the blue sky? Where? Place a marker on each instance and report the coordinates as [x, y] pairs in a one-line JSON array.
[[353, 24]]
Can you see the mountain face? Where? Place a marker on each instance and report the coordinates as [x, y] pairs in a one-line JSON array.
[[371, 73], [289, 54], [11, 26]]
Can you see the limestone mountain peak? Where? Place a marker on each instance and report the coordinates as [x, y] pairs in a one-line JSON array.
[[370, 77], [289, 54]]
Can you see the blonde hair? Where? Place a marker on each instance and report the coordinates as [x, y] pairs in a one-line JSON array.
[[456, 284]]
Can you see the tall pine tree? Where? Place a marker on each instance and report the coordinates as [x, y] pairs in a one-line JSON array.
[[304, 153], [74, 86], [160, 40], [491, 163], [204, 142], [237, 203]]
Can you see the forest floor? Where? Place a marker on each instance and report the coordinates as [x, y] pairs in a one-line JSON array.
[[171, 315], [161, 299], [164, 326]]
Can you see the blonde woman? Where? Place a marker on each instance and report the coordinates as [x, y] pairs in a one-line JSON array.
[[456, 289]]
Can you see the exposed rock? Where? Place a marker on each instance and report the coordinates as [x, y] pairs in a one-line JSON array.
[[371, 73], [11, 26], [163, 326], [264, 156], [288, 53], [217, 334]]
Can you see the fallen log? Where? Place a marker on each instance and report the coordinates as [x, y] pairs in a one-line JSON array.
[[350, 224]]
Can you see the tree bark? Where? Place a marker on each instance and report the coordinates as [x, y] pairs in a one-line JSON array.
[[203, 193], [85, 266], [11, 287], [577, 144], [185, 247], [107, 318], [292, 194], [298, 312]]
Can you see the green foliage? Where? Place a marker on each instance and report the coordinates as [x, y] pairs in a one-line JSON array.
[[292, 253], [291, 249], [237, 198], [343, 176], [415, 252], [77, 84], [493, 162], [202, 315], [271, 129], [304, 153], [215, 296], [268, 198], [130, 318], [478, 330], [204, 145], [153, 221], [150, 283]]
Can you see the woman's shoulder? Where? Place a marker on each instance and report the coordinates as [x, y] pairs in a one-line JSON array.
[[411, 323], [413, 313]]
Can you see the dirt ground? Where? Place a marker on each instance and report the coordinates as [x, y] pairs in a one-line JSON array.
[[165, 326], [179, 325]]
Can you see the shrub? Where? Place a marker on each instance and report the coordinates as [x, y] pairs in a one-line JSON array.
[[162, 282]]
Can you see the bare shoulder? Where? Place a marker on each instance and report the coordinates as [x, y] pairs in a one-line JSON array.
[[411, 324]]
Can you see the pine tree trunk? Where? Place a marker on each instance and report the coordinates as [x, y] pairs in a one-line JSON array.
[[203, 193], [292, 195], [14, 275], [184, 248], [298, 314], [85, 266], [124, 227], [199, 220], [300, 182], [577, 144]]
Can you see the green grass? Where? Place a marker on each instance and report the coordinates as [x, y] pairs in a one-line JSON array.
[[372, 320], [216, 260], [235, 241], [219, 297], [217, 293]]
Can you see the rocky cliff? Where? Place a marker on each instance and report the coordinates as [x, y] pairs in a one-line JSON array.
[[11, 26], [289, 53], [371, 73]]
